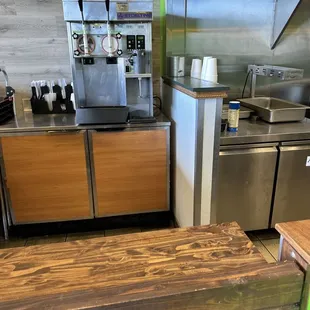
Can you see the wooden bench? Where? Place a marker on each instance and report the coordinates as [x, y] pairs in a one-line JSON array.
[[209, 267]]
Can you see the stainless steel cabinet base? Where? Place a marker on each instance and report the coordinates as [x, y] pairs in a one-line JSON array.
[[292, 197], [246, 180]]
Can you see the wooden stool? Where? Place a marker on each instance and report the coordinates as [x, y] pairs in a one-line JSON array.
[[295, 246]]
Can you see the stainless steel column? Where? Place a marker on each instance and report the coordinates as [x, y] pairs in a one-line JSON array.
[[210, 161], [195, 140]]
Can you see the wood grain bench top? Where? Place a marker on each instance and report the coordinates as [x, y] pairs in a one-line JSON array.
[[209, 267]]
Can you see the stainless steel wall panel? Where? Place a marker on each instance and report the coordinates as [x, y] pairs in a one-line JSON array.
[[235, 32], [239, 33], [175, 22], [293, 50]]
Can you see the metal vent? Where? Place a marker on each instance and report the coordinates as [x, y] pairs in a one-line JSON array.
[[284, 11]]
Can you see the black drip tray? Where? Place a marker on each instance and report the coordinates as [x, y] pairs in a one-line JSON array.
[[102, 116], [142, 120]]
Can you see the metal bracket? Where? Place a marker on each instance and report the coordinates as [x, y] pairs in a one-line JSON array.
[[283, 13], [283, 73], [2, 69], [9, 91]]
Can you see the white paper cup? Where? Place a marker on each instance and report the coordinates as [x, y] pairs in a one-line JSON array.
[[211, 78], [49, 98], [205, 66], [212, 67], [196, 68], [72, 98]]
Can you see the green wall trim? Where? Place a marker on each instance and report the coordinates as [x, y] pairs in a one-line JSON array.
[[162, 36]]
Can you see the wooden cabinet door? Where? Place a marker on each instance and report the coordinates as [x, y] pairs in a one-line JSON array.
[[130, 172], [46, 177]]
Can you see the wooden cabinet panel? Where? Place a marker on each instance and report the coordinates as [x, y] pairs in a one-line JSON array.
[[47, 177], [130, 171]]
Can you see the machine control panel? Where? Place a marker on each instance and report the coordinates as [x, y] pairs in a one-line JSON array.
[[125, 38], [140, 42], [131, 42]]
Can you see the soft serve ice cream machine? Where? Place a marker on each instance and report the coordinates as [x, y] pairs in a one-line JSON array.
[[110, 45]]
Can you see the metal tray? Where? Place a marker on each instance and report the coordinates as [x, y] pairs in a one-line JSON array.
[[273, 110]]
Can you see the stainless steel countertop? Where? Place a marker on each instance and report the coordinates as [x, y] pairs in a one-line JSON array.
[[260, 132], [50, 122], [195, 85]]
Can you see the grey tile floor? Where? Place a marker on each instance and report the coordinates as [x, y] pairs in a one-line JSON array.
[[267, 241], [19, 242]]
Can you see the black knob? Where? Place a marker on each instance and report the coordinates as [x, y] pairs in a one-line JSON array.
[[118, 36], [10, 91], [77, 53], [75, 36], [119, 52]]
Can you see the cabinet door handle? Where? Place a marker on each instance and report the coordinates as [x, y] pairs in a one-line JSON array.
[[116, 129], [65, 132]]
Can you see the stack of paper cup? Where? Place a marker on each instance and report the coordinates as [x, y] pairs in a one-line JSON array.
[[205, 67], [196, 68], [211, 71]]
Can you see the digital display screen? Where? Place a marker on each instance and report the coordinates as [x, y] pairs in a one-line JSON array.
[[140, 37]]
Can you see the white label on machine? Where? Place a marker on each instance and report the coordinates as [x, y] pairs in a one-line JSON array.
[[308, 162]]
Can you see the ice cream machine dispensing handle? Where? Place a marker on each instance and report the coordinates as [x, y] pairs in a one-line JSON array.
[[107, 5], [109, 30], [85, 39]]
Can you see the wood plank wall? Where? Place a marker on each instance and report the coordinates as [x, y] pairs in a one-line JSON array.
[[34, 45]]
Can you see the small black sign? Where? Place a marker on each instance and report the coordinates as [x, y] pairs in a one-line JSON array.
[[88, 61], [111, 60]]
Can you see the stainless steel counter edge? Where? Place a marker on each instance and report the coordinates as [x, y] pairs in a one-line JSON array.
[[261, 132], [195, 85], [66, 122]]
